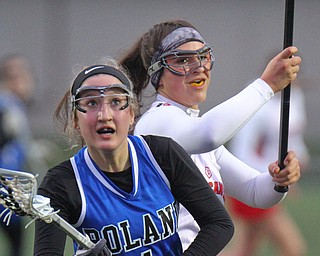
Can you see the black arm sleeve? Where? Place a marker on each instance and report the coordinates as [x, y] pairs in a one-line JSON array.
[[60, 186], [193, 192]]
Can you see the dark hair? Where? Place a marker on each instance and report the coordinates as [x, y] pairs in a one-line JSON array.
[[138, 58]]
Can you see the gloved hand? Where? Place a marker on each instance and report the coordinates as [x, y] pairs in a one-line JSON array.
[[100, 249]]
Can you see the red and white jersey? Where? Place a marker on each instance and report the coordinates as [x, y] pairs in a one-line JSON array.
[[202, 138], [207, 164]]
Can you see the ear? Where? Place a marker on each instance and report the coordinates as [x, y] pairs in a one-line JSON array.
[[131, 122], [132, 117], [160, 83], [75, 124]]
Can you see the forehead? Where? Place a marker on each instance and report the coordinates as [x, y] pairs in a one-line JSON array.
[[100, 80], [193, 45]]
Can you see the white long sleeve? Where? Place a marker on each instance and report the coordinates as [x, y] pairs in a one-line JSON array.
[[257, 142], [214, 128], [245, 183]]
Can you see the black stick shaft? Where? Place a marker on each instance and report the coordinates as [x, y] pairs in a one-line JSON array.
[[285, 93]]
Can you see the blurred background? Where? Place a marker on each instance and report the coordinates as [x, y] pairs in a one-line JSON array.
[[57, 36]]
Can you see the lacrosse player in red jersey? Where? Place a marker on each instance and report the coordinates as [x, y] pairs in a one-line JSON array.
[[178, 62]]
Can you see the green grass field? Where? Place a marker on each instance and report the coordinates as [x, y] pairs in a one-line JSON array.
[[305, 210]]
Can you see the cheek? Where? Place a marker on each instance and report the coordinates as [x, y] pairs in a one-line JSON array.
[[172, 82], [124, 120], [85, 122], [208, 74]]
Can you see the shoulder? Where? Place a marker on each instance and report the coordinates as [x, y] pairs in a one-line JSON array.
[[59, 180], [64, 168], [58, 175], [156, 141], [160, 106], [164, 148], [155, 120], [60, 185]]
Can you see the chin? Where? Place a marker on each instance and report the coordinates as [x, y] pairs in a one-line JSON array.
[[105, 146], [201, 98]]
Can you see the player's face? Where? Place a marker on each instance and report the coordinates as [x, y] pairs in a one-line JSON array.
[[104, 129], [188, 90]]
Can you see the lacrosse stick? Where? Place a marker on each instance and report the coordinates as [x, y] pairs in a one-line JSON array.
[[285, 94], [18, 194]]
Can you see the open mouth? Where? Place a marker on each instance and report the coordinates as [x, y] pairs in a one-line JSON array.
[[106, 131], [197, 83]]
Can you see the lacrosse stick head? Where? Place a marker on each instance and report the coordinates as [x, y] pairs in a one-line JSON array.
[[18, 194], [17, 190]]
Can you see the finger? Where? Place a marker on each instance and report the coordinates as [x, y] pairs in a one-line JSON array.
[[290, 176], [289, 171], [288, 52], [273, 168], [105, 252], [295, 60], [285, 181], [290, 157], [276, 170], [280, 177], [295, 69]]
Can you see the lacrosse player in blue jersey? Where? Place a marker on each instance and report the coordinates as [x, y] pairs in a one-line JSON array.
[[122, 190], [17, 84]]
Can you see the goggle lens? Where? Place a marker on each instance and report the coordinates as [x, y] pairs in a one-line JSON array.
[[90, 100], [184, 62]]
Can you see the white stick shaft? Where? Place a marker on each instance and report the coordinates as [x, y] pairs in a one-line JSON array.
[[72, 232]]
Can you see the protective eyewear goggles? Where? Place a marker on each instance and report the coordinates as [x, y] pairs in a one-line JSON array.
[[184, 62], [92, 98]]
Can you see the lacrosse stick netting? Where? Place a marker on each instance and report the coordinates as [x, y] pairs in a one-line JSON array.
[[18, 194]]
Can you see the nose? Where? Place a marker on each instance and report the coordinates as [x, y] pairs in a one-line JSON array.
[[199, 69], [105, 113]]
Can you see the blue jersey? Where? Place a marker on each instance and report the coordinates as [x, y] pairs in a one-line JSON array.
[[13, 146], [142, 222]]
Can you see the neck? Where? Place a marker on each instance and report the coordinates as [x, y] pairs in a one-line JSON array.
[[114, 161], [162, 97]]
